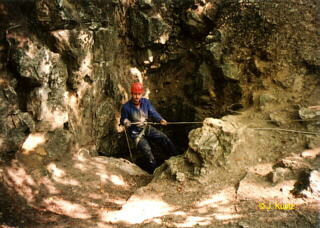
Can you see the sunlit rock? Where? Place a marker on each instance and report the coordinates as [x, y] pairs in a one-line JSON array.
[[79, 187], [209, 148], [309, 113]]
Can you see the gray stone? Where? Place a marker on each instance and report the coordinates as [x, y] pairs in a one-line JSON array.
[[76, 47], [57, 144], [36, 62], [193, 158], [294, 163], [196, 171], [205, 71], [308, 113], [148, 29], [266, 98], [313, 141], [231, 70], [279, 174], [204, 83], [216, 49], [195, 23], [54, 15], [261, 65], [26, 118], [181, 177], [212, 142], [210, 10], [277, 118]]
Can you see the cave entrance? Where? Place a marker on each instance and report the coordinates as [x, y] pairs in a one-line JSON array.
[[185, 91], [178, 134], [189, 96]]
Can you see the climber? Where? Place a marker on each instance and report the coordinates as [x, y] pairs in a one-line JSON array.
[[134, 115]]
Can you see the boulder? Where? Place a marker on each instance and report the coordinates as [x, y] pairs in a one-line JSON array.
[[210, 10], [278, 118], [294, 163], [216, 49], [209, 148], [231, 70], [309, 113], [280, 174], [266, 98], [312, 117], [195, 24]]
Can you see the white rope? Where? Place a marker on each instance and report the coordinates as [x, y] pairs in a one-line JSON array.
[[287, 130], [125, 131], [153, 123]]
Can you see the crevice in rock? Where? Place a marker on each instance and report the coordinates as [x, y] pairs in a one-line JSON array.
[[312, 68], [23, 88], [302, 183]]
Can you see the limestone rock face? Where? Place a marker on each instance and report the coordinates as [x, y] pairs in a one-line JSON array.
[[76, 46], [62, 77], [68, 64], [148, 29], [53, 15], [46, 74]]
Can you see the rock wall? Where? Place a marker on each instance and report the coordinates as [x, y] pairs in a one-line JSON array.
[[66, 66], [65, 73]]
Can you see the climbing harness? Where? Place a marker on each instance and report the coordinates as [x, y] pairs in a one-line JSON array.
[[144, 129], [137, 140]]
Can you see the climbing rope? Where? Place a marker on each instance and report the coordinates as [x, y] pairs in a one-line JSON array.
[[168, 123], [287, 130], [151, 123], [125, 132], [271, 129]]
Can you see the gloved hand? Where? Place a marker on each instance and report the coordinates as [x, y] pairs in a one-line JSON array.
[[163, 122], [142, 124], [127, 123]]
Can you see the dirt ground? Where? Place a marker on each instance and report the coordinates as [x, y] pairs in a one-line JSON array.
[[85, 191]]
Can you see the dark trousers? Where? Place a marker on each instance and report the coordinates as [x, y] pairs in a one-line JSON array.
[[161, 139]]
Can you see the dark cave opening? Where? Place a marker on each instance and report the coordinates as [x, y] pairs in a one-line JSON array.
[[178, 109], [180, 93], [24, 86]]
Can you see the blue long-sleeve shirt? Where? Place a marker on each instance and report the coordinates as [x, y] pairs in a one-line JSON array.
[[143, 113]]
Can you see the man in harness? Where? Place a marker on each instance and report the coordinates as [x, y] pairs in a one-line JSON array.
[[134, 115]]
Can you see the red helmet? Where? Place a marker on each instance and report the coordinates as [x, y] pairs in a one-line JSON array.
[[136, 87]]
